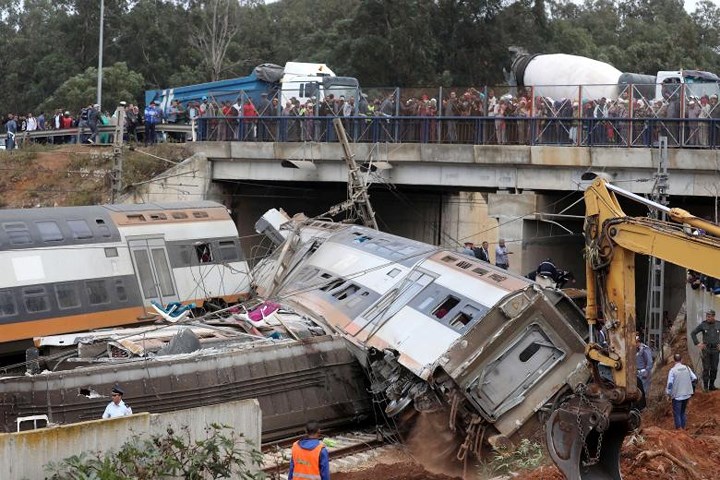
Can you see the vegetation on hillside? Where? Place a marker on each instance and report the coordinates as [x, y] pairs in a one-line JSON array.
[[51, 46]]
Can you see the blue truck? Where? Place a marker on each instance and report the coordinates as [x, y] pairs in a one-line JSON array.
[[303, 81]]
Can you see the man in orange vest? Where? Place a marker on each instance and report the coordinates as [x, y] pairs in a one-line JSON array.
[[310, 460]]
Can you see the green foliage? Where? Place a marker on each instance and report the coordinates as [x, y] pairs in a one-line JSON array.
[[119, 83], [50, 47], [221, 454], [527, 456]]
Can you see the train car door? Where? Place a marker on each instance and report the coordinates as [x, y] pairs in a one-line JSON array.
[[153, 271]]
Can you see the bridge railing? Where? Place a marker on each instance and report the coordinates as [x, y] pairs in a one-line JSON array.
[[584, 132], [559, 131]]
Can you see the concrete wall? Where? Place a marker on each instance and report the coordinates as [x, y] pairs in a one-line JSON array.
[[23, 454], [190, 180]]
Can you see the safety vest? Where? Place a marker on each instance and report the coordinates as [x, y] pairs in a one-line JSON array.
[[306, 463]]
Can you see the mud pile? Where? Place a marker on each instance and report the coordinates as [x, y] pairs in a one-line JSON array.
[[398, 471]]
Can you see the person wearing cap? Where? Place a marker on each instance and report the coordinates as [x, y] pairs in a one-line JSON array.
[[468, 249], [93, 117], [680, 387], [117, 408], [644, 365], [708, 348], [310, 458], [152, 117]]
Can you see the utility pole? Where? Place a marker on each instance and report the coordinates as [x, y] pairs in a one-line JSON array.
[[656, 288], [100, 53], [357, 188]]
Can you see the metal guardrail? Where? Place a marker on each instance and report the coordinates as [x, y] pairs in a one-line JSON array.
[[579, 132]]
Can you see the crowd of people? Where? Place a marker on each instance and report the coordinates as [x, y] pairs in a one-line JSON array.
[[470, 116]]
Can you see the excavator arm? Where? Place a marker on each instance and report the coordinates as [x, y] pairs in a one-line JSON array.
[[585, 434]]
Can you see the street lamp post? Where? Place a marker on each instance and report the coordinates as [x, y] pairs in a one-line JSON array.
[[100, 53]]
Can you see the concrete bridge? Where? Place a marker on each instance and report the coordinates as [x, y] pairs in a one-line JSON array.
[[444, 194]]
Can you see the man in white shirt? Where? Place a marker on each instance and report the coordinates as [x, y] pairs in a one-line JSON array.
[[501, 255], [117, 408], [680, 387]]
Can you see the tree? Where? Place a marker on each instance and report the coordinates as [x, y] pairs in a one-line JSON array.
[[217, 24], [119, 83]]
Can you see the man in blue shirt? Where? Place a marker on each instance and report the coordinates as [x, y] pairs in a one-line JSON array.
[[152, 118]]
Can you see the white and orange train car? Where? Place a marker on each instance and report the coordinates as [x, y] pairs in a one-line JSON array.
[[72, 269], [437, 329]]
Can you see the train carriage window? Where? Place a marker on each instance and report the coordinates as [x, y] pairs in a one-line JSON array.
[[448, 304], [179, 215], [147, 283], [200, 214], [120, 290], [185, 253], [103, 228], [97, 292], [397, 298], [466, 315], [8, 307], [332, 285], [163, 270], [204, 255], [353, 302], [18, 233], [49, 231], [228, 250], [346, 292], [80, 229], [67, 295], [158, 216], [136, 218], [35, 299]]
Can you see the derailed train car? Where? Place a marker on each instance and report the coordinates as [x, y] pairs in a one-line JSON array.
[[72, 269], [436, 329]]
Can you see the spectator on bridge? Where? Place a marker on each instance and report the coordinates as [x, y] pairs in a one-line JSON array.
[[249, 114], [152, 117], [93, 122], [11, 130], [131, 122]]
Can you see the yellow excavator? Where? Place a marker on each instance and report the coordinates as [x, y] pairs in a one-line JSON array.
[[584, 434]]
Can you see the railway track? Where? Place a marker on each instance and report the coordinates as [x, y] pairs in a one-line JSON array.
[[347, 448]]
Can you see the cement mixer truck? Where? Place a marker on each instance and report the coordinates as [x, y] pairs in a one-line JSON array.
[[559, 76]]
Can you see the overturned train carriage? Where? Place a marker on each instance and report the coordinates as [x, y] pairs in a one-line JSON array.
[[71, 269], [437, 329]]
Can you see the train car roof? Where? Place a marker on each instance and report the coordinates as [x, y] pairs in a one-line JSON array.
[[90, 210], [144, 207]]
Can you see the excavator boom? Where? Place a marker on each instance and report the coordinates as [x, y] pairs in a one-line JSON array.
[[585, 434]]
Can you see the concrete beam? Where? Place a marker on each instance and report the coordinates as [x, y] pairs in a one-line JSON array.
[[692, 172]]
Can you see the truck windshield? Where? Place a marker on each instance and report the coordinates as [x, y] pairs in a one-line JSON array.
[[702, 85]]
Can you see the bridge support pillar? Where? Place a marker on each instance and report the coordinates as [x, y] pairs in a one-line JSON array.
[[511, 210], [465, 219]]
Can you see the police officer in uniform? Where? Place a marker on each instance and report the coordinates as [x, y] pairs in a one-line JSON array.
[[117, 408], [310, 459], [708, 348]]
